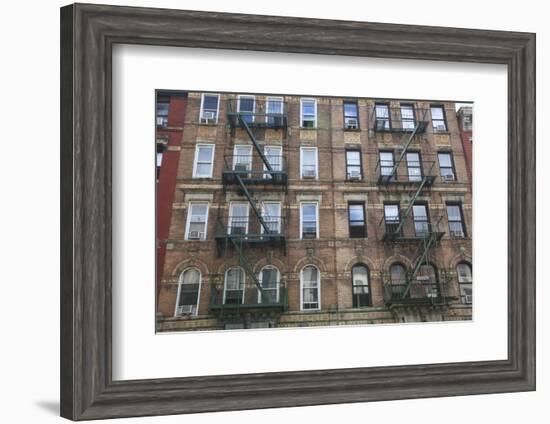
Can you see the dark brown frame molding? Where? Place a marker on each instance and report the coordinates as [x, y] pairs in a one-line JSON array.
[[88, 33]]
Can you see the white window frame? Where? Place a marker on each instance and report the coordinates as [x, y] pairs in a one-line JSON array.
[[461, 284], [314, 149], [202, 106], [225, 283], [307, 99], [316, 215], [188, 223], [274, 99], [261, 282], [302, 289], [279, 216], [230, 217], [195, 162], [280, 154], [180, 283], [247, 96], [242, 146]]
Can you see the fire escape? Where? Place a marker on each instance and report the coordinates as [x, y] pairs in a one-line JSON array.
[[403, 171], [252, 225]]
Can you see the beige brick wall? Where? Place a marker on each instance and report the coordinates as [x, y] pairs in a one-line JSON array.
[[334, 252]]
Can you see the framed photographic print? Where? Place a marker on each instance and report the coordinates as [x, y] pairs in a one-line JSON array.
[[239, 234]]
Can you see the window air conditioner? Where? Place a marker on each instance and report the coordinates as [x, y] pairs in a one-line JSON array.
[[308, 173], [240, 167], [449, 177], [185, 309], [208, 117], [354, 175], [351, 124], [468, 298], [456, 233], [196, 235]]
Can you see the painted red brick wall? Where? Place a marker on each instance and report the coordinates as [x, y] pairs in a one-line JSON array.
[[166, 184]]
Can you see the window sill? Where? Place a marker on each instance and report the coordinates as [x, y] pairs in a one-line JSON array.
[[352, 129]]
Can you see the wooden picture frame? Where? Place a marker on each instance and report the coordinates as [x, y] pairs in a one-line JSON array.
[[88, 33]]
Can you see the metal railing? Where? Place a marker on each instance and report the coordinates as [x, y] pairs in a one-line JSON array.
[[418, 292], [249, 296], [392, 228], [252, 169], [408, 172], [257, 113], [398, 119], [250, 228]]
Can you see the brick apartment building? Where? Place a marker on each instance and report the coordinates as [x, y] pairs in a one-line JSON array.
[[465, 122], [302, 211]]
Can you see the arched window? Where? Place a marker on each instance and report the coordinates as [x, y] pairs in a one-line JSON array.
[[398, 279], [427, 282], [464, 272], [310, 288], [360, 283], [233, 288], [269, 280], [187, 301]]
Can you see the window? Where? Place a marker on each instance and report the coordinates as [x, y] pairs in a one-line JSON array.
[[187, 302], [446, 166], [427, 277], [353, 165], [464, 272], [163, 105], [308, 160], [269, 280], [398, 280], [308, 113], [421, 222], [357, 223], [197, 217], [238, 218], [408, 121], [391, 217], [242, 160], [351, 116], [274, 156], [271, 214], [309, 220], [161, 148], [438, 119], [382, 118], [274, 108], [456, 222], [360, 286], [310, 287], [209, 108], [386, 165], [246, 106], [204, 161], [414, 166], [233, 288]]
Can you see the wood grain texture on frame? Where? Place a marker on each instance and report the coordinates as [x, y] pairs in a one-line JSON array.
[[88, 33]]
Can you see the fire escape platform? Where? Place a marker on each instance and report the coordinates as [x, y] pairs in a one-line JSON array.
[[256, 178], [399, 238]]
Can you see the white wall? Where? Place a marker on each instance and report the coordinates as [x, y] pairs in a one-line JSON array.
[[29, 225]]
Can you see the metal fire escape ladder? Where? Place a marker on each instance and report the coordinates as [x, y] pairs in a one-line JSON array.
[[425, 246], [243, 262], [252, 202], [410, 205], [405, 147], [255, 143]]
